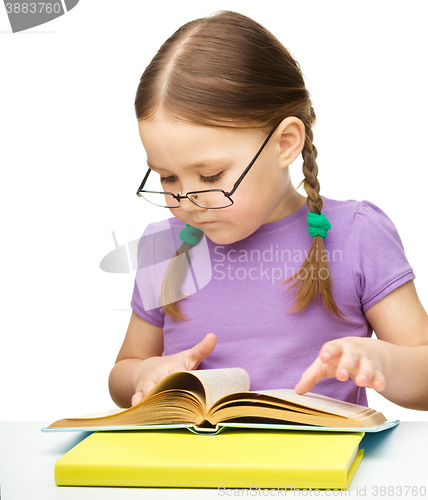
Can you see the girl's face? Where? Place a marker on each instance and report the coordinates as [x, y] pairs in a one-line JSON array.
[[195, 158]]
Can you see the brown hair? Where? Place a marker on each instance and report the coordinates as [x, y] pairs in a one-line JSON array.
[[226, 70]]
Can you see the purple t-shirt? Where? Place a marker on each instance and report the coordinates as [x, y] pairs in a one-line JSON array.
[[235, 292]]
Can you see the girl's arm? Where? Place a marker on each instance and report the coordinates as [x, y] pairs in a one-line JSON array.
[[140, 364], [395, 364]]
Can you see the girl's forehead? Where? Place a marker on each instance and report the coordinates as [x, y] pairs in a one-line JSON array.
[[161, 136]]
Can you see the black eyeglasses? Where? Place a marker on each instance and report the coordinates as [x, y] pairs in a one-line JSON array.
[[209, 198]]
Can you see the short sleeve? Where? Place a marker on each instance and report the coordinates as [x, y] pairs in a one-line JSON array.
[[379, 262]]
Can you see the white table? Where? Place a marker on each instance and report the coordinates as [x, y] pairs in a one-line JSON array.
[[393, 459]]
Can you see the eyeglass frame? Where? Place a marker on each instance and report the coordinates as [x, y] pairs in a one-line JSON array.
[[228, 195]]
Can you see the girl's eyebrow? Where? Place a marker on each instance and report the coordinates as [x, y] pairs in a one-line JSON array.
[[211, 162]]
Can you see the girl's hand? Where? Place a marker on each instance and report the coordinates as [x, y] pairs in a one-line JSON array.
[[154, 369], [354, 357]]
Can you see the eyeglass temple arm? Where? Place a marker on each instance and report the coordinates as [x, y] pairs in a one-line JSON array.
[[144, 180], [235, 186]]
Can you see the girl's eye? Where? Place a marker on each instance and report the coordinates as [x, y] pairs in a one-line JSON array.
[[212, 178], [173, 178], [165, 180]]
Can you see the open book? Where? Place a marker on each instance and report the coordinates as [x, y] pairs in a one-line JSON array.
[[207, 400]]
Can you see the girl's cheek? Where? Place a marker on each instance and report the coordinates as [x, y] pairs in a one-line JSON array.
[[176, 213]]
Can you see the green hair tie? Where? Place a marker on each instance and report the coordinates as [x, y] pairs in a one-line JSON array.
[[318, 224], [190, 235]]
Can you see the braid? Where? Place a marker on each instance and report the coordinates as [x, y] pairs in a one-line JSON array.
[[314, 275], [310, 168], [172, 282], [176, 272]]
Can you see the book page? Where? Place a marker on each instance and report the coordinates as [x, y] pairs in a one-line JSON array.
[[220, 382], [101, 414], [179, 381], [317, 402], [255, 398]]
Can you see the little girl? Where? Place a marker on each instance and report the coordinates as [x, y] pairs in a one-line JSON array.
[[248, 272]]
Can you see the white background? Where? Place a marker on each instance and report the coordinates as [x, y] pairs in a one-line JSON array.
[[71, 161]]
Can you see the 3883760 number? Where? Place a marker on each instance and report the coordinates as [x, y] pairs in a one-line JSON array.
[[405, 491], [33, 8]]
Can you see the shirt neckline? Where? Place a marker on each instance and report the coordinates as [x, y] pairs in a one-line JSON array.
[[285, 221]]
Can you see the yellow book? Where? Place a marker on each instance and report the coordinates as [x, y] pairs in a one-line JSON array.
[[234, 458]]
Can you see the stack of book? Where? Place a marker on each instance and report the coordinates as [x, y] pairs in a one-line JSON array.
[[238, 438]]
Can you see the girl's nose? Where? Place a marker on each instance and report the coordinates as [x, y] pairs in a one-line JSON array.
[[189, 206]]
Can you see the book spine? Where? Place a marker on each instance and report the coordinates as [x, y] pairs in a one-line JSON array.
[[197, 476]]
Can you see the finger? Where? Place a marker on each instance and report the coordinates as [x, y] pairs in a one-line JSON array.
[[149, 384], [156, 377], [200, 351], [311, 376], [378, 382], [349, 364], [136, 398], [330, 351], [368, 376], [366, 372]]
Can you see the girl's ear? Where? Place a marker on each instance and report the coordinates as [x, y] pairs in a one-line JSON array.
[[291, 139]]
